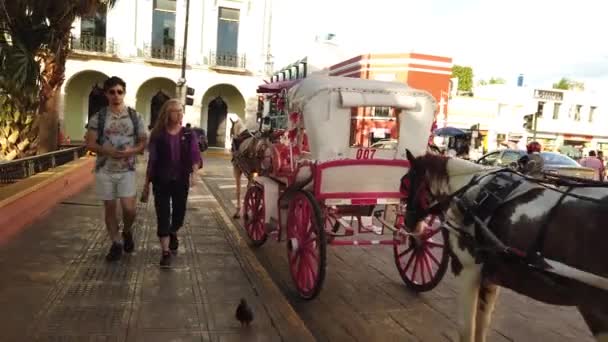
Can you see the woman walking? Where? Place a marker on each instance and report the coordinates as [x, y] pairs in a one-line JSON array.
[[172, 164]]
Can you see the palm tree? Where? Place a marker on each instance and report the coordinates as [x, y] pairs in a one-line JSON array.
[[34, 45]]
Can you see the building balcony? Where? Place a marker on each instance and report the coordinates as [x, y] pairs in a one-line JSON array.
[[95, 44], [162, 53], [222, 60]]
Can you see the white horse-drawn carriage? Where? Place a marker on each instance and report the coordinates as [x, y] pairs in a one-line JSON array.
[[328, 184]]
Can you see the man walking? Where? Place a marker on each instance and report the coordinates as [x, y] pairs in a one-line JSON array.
[[116, 134]]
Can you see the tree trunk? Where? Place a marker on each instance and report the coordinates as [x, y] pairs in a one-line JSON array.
[[53, 73]]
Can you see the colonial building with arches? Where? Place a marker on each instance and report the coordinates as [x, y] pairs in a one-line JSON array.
[[141, 41]]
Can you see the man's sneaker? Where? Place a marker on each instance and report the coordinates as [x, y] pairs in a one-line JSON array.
[[173, 243], [127, 242], [115, 252], [165, 260]]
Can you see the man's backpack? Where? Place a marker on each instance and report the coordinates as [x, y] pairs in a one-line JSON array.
[[101, 123]]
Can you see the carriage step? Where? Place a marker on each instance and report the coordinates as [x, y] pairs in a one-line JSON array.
[[347, 232], [372, 229]]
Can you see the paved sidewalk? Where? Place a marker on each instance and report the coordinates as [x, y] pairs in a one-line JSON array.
[[56, 286]]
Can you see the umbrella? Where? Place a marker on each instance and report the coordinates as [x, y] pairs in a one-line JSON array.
[[448, 132]]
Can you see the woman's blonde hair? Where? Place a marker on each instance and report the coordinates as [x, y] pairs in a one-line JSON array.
[[163, 117]]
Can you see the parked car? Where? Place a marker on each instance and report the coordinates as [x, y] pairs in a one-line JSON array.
[[555, 163]]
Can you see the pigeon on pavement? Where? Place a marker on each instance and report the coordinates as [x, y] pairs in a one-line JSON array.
[[244, 314]]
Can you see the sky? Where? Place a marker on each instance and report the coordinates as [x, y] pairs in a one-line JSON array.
[[542, 39]]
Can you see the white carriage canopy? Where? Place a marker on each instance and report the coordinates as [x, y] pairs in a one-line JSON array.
[[326, 103]]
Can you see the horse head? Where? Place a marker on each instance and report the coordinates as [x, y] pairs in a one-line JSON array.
[[434, 178], [236, 127]]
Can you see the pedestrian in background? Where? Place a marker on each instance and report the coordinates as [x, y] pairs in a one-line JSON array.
[[172, 165], [116, 134], [600, 156], [593, 162]]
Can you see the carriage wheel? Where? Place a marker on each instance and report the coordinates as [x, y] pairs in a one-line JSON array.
[[253, 215], [422, 261], [306, 244]]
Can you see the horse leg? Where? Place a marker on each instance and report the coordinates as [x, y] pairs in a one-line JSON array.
[[488, 293], [468, 276], [597, 321], [237, 177]]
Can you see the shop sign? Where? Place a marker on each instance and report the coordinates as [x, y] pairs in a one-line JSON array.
[[548, 95]]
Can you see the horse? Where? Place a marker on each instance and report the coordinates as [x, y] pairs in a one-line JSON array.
[[250, 156], [544, 240]]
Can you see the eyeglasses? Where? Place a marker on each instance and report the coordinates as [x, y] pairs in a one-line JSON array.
[[115, 92]]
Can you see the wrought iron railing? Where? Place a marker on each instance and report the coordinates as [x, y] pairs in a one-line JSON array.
[[163, 52], [15, 170], [93, 44], [227, 60]]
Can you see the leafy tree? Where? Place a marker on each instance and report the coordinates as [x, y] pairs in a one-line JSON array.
[[563, 84], [567, 84], [34, 41], [497, 80], [465, 77]]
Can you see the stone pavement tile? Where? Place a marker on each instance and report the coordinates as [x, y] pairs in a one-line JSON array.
[[250, 334], [168, 336], [426, 323], [77, 319], [211, 262], [98, 293], [175, 285], [167, 315], [218, 291]]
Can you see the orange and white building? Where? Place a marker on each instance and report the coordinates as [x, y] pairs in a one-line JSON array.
[[421, 71]]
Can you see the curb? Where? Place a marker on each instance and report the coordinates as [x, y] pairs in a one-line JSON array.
[[289, 324], [35, 196]]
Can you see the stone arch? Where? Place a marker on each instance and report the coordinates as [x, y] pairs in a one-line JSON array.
[[218, 102], [146, 92], [78, 91]]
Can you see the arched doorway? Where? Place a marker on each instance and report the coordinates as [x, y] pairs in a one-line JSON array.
[[218, 102], [217, 111], [155, 104], [146, 93], [82, 99]]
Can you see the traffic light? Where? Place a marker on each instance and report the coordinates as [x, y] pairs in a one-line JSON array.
[[189, 93], [528, 121]]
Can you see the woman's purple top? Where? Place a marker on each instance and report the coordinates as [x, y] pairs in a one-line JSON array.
[[174, 165]]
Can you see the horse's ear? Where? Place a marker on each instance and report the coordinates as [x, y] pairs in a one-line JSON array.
[[410, 156]]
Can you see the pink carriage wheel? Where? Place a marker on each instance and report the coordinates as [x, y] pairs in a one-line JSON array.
[[306, 244], [253, 215], [423, 261]]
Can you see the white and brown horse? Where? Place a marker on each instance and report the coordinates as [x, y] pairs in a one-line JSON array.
[[250, 156], [544, 241]]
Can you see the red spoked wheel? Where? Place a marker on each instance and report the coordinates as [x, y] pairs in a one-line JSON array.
[[423, 260], [306, 244], [253, 215]]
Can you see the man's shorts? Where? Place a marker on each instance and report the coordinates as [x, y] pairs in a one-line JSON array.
[[111, 186]]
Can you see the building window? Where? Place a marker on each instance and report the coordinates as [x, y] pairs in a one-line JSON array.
[[228, 31], [92, 32], [163, 29], [556, 107], [375, 127], [95, 25], [577, 113], [591, 113]]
